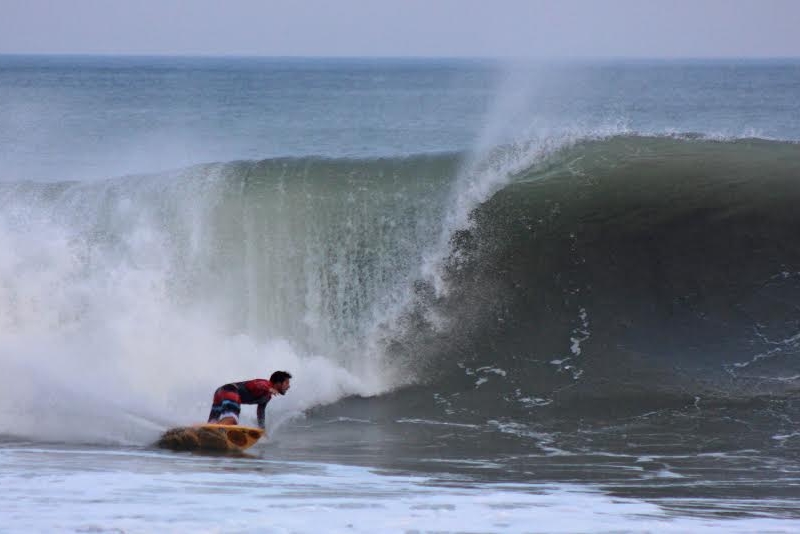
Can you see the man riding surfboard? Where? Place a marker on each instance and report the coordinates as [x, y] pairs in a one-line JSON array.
[[228, 399]]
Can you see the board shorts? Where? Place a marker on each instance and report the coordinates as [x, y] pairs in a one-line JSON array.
[[226, 403]]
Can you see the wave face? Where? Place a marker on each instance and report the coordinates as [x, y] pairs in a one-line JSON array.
[[630, 271], [150, 291], [627, 270]]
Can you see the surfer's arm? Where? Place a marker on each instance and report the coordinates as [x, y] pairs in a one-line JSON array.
[[260, 413]]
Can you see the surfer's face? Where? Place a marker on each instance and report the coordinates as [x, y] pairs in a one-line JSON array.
[[283, 387]]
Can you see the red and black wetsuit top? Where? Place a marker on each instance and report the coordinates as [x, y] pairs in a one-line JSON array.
[[256, 391]]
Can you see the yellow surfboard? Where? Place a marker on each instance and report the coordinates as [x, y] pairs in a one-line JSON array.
[[210, 437]]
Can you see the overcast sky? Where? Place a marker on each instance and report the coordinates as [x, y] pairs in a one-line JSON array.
[[502, 28]]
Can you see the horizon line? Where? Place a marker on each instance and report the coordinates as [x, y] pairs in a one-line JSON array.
[[395, 57]]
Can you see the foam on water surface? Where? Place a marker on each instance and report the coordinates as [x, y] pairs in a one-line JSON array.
[[142, 491]]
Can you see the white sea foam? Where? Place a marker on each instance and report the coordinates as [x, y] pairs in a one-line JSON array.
[[145, 492], [100, 331]]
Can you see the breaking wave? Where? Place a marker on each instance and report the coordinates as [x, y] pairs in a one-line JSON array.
[[629, 270], [611, 269]]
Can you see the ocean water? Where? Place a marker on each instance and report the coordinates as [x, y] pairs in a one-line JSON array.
[[550, 297]]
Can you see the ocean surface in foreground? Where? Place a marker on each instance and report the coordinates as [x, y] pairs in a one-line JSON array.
[[86, 489]]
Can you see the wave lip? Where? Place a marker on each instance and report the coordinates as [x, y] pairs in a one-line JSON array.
[[630, 267]]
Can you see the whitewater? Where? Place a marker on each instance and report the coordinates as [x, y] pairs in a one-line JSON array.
[[514, 297]]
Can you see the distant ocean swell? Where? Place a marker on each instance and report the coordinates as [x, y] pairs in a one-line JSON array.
[[624, 267]]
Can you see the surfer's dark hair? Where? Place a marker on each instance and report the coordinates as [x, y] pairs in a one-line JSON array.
[[279, 376]]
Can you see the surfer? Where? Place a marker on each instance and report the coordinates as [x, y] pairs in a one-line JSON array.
[[229, 398]]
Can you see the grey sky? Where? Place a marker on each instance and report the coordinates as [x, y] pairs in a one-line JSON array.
[[515, 28]]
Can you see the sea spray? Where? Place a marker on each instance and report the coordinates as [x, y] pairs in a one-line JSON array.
[[150, 291]]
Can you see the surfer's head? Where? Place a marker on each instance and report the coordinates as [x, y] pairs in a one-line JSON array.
[[281, 381]]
